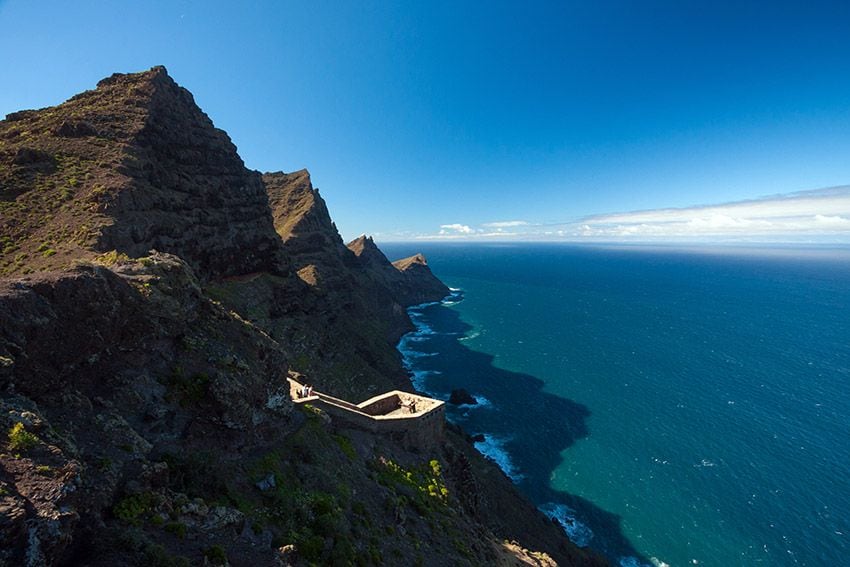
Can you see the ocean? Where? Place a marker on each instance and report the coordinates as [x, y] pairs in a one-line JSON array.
[[667, 406]]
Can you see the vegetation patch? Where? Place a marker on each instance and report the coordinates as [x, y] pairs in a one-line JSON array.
[[21, 440], [216, 555], [156, 555], [426, 481], [346, 446], [111, 258], [187, 389], [176, 528], [135, 508], [198, 474]]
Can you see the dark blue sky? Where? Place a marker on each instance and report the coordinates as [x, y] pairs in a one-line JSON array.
[[420, 114]]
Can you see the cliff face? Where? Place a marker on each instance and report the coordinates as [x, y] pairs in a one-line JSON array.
[[409, 280], [300, 214], [309, 236], [116, 375], [131, 166], [145, 417], [337, 325]]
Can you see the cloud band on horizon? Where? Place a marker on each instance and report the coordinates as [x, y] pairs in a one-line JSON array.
[[805, 215]]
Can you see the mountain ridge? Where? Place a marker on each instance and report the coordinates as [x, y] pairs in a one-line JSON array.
[[130, 166], [155, 296]]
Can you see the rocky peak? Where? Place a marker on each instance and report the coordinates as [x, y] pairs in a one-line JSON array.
[[417, 260], [310, 239], [359, 244], [297, 207], [131, 166], [367, 251], [419, 282], [409, 280]]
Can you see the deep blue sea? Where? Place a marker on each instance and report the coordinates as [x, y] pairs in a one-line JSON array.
[[681, 407]]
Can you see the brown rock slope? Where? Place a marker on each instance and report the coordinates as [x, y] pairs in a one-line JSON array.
[[144, 413], [131, 166]]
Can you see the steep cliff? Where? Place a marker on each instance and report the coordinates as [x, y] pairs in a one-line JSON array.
[[116, 377], [409, 280], [337, 325], [144, 410]]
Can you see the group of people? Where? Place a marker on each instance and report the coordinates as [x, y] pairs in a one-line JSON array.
[[410, 404], [305, 391]]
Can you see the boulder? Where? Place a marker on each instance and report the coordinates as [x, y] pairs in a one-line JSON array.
[[461, 397]]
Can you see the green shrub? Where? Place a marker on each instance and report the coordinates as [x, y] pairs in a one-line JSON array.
[[187, 390], [216, 555], [157, 556], [111, 258], [346, 446], [311, 548], [176, 528], [198, 474], [425, 479], [132, 508], [21, 440]]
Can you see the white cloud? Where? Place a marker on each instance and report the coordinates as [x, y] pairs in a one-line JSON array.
[[838, 223], [505, 224], [807, 215], [820, 212], [456, 228]]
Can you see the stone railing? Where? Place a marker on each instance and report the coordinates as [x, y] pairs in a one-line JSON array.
[[416, 421]]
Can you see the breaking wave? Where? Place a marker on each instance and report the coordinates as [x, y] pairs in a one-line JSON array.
[[494, 449], [578, 533]]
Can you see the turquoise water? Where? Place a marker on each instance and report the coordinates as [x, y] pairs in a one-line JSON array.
[[678, 407]]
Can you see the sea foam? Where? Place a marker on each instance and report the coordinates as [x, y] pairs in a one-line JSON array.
[[494, 449], [578, 533], [635, 562]]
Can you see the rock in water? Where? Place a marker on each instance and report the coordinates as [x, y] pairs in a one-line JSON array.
[[461, 397]]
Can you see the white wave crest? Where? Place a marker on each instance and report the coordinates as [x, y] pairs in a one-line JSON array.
[[494, 449], [419, 354], [473, 335], [420, 378], [482, 402], [578, 533], [635, 562]]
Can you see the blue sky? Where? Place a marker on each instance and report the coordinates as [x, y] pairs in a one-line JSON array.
[[493, 120]]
